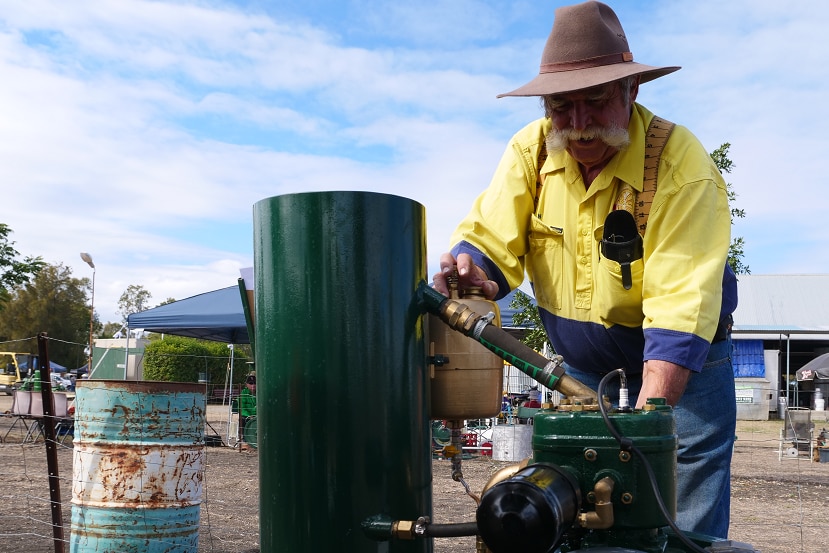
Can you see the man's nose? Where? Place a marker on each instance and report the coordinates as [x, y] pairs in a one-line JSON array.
[[580, 116]]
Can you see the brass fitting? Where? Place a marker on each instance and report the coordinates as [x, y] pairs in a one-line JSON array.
[[459, 316], [403, 529], [602, 517], [450, 451], [504, 474], [572, 388]]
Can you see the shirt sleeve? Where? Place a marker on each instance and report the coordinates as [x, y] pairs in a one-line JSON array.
[[686, 246]]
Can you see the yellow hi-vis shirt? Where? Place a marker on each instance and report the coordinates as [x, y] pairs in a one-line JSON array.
[[677, 299]]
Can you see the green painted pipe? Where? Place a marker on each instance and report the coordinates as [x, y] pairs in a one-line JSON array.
[[341, 370]]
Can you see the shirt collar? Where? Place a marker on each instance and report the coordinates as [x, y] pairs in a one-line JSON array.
[[626, 165], [630, 167]]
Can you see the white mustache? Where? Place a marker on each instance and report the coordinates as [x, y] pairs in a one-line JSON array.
[[616, 137]]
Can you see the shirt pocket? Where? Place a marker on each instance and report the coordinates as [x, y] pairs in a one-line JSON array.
[[616, 305], [545, 263]]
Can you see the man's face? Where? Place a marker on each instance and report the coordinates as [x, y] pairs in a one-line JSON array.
[[582, 116]]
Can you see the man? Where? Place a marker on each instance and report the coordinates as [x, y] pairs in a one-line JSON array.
[[247, 408], [661, 315]]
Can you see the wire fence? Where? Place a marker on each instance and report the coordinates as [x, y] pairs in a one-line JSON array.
[[223, 517], [779, 502], [780, 482]]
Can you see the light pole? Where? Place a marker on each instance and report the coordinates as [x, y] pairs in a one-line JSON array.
[[88, 260]]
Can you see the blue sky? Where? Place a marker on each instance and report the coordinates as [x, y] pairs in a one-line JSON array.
[[143, 132]]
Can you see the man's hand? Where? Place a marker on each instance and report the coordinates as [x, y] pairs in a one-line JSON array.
[[663, 379], [469, 275]]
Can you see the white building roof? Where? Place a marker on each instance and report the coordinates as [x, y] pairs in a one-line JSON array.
[[774, 305]]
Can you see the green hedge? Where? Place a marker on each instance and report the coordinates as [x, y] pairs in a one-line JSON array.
[[179, 359]]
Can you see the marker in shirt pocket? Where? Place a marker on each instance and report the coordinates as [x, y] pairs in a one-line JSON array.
[[622, 243], [620, 275]]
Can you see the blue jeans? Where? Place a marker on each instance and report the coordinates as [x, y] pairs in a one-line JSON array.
[[706, 420]]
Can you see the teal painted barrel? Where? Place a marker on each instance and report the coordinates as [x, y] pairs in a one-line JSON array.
[[138, 467], [342, 406]]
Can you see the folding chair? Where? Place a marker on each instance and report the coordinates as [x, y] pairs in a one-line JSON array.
[[65, 429], [21, 407], [797, 433], [64, 421], [33, 417]]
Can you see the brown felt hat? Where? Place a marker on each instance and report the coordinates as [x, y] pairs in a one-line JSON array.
[[587, 47]]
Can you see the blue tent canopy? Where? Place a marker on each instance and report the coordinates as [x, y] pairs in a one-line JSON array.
[[217, 315], [54, 367]]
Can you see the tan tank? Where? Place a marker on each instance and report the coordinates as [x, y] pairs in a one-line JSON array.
[[466, 378]]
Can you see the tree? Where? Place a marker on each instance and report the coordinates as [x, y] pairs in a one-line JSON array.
[[53, 302], [134, 299], [13, 271], [736, 250], [109, 330], [527, 316]]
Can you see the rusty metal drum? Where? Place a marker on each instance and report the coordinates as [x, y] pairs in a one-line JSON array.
[[138, 466]]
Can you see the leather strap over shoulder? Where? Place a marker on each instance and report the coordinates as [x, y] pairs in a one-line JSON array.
[[542, 157], [659, 130], [639, 203]]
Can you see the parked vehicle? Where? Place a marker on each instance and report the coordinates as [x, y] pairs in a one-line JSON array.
[[60, 383], [15, 373], [10, 375]]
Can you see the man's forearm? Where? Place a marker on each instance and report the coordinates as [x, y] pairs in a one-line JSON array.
[[663, 379]]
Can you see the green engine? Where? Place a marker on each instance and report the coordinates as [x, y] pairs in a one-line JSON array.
[[589, 488]]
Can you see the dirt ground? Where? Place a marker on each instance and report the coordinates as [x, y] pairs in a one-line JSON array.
[[777, 506]]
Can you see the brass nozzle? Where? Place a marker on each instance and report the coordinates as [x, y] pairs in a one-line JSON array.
[[459, 316], [602, 517], [571, 387]]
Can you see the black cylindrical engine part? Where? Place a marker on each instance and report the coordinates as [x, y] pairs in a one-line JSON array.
[[530, 511]]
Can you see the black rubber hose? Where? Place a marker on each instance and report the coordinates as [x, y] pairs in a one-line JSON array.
[[451, 530], [547, 372], [498, 340]]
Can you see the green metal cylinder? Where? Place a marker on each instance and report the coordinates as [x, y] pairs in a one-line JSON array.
[[580, 442], [341, 368]]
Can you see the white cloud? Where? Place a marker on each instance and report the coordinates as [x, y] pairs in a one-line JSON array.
[[145, 132]]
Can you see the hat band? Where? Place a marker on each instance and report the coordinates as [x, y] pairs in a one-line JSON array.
[[587, 63]]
